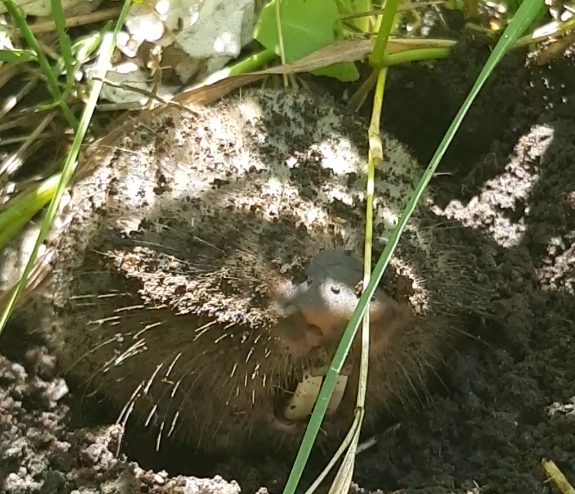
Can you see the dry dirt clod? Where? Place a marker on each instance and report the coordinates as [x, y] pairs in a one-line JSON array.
[[189, 284]]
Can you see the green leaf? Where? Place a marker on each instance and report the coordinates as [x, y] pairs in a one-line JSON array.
[[22, 208], [343, 71], [458, 5], [65, 44], [307, 26], [18, 56], [85, 46]]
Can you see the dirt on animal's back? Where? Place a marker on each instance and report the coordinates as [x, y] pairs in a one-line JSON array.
[[504, 400]]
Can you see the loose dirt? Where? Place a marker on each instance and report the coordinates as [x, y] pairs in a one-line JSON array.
[[505, 399]]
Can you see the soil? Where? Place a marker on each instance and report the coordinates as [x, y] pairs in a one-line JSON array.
[[505, 399]]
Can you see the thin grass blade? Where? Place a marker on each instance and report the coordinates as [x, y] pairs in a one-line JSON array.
[[22, 26]]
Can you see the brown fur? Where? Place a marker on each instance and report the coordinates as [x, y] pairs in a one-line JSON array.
[[176, 288]]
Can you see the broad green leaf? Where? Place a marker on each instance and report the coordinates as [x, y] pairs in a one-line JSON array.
[[343, 71], [307, 26]]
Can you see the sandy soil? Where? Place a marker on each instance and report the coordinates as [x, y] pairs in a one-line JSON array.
[[506, 397]]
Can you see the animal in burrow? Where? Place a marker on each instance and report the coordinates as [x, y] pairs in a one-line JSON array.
[[209, 261]]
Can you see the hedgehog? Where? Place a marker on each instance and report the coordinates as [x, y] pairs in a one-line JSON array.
[[208, 260]]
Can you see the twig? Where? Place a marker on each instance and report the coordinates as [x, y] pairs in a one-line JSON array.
[[14, 161], [557, 477], [79, 20], [12, 101]]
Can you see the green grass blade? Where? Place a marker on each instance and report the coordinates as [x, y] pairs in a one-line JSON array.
[[328, 386], [65, 44], [28, 35], [248, 64], [17, 56], [23, 208], [525, 15], [385, 28], [408, 56]]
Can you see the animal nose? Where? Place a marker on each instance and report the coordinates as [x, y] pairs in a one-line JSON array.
[[326, 308], [297, 335], [321, 319]]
